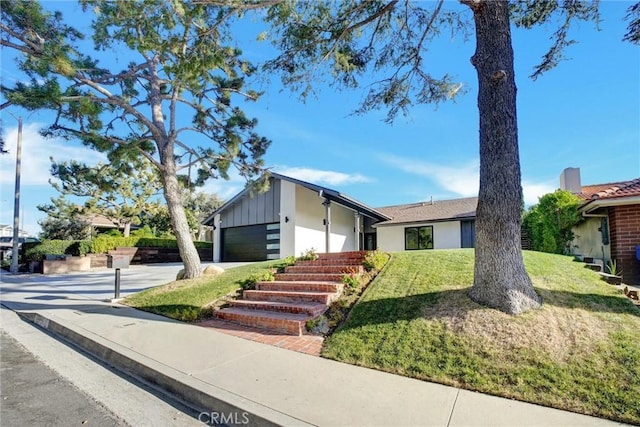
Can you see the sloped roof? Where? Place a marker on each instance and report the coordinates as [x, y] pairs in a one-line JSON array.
[[327, 193], [611, 190], [442, 210]]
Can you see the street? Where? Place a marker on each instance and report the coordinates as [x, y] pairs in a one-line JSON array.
[[33, 394], [47, 382]]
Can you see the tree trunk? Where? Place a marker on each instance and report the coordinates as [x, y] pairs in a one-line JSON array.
[[127, 229], [500, 279], [171, 188]]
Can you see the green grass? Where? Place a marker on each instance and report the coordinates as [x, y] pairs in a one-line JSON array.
[[579, 352], [189, 299]]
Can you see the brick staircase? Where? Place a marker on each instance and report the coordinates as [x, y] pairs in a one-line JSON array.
[[302, 292]]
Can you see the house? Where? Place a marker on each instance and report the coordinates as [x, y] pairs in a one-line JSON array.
[[294, 216], [445, 224], [610, 226], [7, 231]]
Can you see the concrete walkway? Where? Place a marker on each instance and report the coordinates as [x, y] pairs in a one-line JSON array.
[[238, 381]]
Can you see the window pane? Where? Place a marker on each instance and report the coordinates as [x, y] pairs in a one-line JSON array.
[[411, 238], [426, 237]]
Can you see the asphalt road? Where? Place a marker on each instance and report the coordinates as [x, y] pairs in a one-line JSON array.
[[47, 382], [33, 394]]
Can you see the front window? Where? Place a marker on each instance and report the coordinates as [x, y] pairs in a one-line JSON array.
[[418, 238]]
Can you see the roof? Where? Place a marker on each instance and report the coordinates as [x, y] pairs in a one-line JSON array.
[[611, 194], [327, 193], [443, 210], [611, 190]]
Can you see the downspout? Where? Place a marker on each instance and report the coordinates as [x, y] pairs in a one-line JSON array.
[[327, 225], [356, 231]]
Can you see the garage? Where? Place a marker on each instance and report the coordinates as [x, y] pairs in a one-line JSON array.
[[251, 243]]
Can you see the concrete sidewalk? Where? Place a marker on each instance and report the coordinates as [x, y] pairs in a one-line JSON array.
[[238, 381]]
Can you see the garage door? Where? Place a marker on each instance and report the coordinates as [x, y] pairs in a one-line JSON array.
[[251, 243]]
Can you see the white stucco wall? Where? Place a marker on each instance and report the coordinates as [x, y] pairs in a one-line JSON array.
[[309, 224], [446, 235], [588, 240]]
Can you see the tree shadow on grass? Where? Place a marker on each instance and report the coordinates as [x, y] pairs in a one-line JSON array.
[[456, 303]]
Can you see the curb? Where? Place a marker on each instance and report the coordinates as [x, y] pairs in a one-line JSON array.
[[217, 404]]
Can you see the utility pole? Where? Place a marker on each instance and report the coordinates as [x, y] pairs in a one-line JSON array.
[[16, 202]]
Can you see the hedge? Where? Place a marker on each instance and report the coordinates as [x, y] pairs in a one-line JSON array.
[[100, 245]]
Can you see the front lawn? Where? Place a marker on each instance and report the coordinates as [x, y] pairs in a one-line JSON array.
[[188, 299], [579, 352]]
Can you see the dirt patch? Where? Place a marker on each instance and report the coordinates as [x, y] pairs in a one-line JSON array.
[[558, 332]]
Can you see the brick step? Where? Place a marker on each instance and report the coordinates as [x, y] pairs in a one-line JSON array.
[[288, 323], [323, 269], [611, 279], [346, 261], [594, 267], [351, 254], [307, 277], [311, 309], [290, 296], [300, 286]]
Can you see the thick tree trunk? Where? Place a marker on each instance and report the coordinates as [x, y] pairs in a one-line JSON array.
[[171, 188], [500, 279]]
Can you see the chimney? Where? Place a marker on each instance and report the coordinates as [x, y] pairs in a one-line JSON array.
[[570, 180]]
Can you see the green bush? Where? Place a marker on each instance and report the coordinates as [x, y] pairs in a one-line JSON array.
[[79, 248], [262, 276], [46, 247], [375, 260], [550, 223]]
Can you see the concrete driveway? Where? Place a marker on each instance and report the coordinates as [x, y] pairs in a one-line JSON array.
[[33, 291]]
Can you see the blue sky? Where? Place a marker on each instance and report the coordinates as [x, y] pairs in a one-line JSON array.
[[585, 113]]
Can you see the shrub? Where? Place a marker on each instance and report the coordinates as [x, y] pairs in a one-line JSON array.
[[308, 255], [550, 222], [263, 276], [46, 247], [351, 280], [375, 260]]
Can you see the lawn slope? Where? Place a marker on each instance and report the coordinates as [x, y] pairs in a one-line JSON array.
[[579, 352]]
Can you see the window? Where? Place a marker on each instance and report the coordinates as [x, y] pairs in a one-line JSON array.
[[418, 238]]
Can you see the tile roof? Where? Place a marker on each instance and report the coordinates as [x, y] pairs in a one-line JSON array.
[[611, 190], [441, 210]]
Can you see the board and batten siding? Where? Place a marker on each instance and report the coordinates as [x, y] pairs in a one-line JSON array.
[[259, 208], [446, 235]]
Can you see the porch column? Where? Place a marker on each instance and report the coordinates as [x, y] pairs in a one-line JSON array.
[[327, 224], [356, 231]]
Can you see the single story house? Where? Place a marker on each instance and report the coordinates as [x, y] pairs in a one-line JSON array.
[[445, 224], [294, 216], [610, 226]]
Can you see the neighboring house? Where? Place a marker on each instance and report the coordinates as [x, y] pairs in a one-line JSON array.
[[7, 230], [294, 216], [102, 224], [610, 229], [445, 224]]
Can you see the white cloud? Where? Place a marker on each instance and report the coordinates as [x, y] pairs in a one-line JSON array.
[[36, 151], [318, 176], [223, 188], [463, 180], [534, 190]]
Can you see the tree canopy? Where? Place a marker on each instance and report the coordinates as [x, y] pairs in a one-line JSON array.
[[181, 62], [354, 41]]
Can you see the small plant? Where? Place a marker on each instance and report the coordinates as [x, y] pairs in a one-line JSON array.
[[263, 276], [351, 280], [375, 260], [189, 314], [612, 266], [308, 255]]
